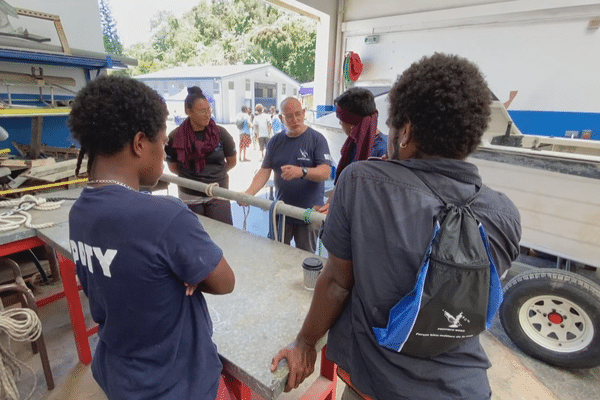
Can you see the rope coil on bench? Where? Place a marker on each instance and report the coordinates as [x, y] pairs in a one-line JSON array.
[[18, 216]]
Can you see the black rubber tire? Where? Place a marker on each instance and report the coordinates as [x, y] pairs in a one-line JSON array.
[[520, 315]]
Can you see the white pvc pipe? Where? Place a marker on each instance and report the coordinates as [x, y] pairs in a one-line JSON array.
[[285, 209]]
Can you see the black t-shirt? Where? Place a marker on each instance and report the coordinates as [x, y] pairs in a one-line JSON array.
[[214, 171]]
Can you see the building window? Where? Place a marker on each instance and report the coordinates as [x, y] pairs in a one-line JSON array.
[[248, 85], [216, 87], [283, 88], [295, 92], [231, 87]]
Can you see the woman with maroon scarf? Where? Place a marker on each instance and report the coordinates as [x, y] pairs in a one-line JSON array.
[[202, 151], [356, 110]]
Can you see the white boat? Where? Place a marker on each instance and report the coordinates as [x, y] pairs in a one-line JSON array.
[[554, 182], [48, 51]]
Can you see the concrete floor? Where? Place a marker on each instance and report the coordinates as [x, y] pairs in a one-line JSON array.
[[513, 375]]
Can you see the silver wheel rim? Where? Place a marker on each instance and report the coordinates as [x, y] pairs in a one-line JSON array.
[[556, 323]]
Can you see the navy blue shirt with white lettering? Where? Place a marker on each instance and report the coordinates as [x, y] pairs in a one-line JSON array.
[[309, 150], [133, 253]]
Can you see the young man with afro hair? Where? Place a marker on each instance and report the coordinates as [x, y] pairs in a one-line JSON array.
[[142, 260]]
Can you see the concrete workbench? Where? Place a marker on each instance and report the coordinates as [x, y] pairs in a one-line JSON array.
[[262, 315]]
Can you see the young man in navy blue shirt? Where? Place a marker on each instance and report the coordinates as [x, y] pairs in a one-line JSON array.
[[143, 260]]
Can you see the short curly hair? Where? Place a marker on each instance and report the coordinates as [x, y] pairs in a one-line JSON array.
[[109, 111], [358, 101], [447, 101]]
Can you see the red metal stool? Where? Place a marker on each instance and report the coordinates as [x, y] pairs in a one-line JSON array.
[[344, 376]]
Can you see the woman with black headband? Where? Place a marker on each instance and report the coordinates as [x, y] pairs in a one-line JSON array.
[[202, 151], [356, 110]]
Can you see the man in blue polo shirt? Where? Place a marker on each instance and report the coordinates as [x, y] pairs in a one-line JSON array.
[[300, 158]]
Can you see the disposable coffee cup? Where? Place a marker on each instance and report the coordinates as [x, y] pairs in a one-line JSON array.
[[312, 267]]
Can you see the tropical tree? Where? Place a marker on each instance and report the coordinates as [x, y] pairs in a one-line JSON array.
[[289, 47], [230, 32], [112, 43]]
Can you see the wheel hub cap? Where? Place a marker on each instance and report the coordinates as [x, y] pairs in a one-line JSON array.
[[555, 318]]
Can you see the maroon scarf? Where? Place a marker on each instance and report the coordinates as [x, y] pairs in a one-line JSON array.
[[190, 150], [362, 137]]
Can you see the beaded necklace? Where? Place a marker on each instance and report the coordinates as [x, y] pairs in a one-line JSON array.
[[110, 181]]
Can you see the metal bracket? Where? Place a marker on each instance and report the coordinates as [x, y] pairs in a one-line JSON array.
[[49, 17]]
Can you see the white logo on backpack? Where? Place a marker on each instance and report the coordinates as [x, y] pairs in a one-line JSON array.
[[454, 321]]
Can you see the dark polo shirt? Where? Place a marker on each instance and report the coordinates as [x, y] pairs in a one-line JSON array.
[[381, 218]]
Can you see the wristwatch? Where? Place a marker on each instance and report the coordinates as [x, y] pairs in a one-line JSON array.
[[304, 172]]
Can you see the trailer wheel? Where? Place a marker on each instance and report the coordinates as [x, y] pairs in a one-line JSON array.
[[554, 317]]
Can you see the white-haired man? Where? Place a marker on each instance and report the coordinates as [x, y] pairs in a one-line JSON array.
[[300, 158]]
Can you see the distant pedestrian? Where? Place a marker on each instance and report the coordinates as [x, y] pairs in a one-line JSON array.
[[176, 118], [244, 124], [262, 122], [276, 122]]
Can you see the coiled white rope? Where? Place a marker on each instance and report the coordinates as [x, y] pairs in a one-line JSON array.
[[209, 191], [18, 216], [21, 324], [210, 187]]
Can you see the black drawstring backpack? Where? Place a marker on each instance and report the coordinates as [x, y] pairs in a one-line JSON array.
[[457, 292]]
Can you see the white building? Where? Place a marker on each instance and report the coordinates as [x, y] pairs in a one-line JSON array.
[[226, 87]]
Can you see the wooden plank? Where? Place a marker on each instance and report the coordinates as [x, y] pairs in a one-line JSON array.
[[32, 112], [60, 175], [29, 79], [18, 181], [27, 163], [52, 168], [56, 171], [56, 152], [37, 124]]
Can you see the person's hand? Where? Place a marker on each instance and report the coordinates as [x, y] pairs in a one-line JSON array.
[[322, 209], [241, 203], [189, 289], [301, 360], [289, 172]]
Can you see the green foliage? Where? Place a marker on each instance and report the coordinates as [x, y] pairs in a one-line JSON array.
[[224, 32], [112, 43]]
